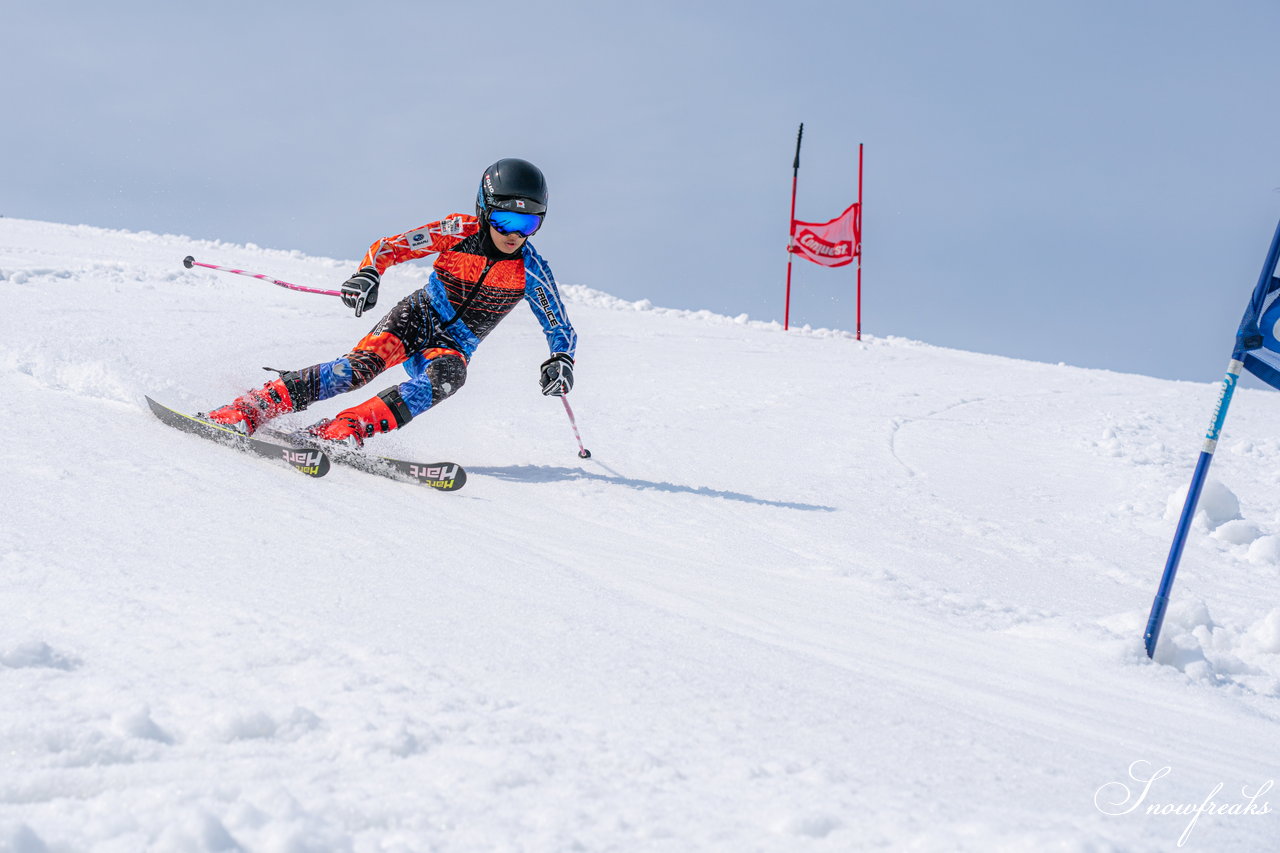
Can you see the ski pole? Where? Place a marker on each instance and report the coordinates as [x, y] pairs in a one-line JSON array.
[[583, 453], [190, 262]]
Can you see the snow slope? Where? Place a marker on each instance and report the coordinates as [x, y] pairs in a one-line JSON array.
[[810, 593]]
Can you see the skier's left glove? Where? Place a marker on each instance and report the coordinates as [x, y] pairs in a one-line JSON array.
[[361, 290], [557, 375]]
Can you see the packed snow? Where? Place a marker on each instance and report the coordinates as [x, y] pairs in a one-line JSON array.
[[809, 593]]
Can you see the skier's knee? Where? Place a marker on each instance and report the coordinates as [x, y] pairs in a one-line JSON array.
[[447, 375]]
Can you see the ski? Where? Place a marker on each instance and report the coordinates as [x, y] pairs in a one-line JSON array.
[[312, 461], [441, 476]]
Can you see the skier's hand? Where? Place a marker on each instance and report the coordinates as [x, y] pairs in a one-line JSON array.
[[361, 290], [557, 375]]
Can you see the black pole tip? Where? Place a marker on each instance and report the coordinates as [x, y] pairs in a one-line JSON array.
[[584, 454], [188, 261]]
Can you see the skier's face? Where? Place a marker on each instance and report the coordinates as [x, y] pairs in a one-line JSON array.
[[506, 243]]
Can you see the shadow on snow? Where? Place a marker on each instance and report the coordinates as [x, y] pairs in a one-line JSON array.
[[550, 473]]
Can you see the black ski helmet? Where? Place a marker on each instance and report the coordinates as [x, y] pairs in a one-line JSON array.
[[511, 184]]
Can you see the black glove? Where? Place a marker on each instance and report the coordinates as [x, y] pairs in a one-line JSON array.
[[557, 375], [361, 290]]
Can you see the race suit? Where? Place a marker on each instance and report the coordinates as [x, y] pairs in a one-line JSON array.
[[434, 330]]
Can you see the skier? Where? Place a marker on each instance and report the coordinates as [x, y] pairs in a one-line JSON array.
[[485, 266]]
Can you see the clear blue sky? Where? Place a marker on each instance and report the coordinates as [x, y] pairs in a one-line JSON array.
[[1088, 182]]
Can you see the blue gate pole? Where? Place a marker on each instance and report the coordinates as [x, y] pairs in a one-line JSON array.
[[1156, 619], [1247, 338]]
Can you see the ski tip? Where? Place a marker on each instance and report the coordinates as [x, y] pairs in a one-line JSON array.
[[188, 261]]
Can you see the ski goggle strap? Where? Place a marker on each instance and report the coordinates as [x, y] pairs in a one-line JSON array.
[[511, 222]]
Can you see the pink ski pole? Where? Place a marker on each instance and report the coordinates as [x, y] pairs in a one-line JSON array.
[[190, 262], [583, 453]]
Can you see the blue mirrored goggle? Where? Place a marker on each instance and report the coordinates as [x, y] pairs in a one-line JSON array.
[[511, 222]]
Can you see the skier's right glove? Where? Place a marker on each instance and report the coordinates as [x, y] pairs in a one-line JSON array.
[[557, 375], [361, 290]]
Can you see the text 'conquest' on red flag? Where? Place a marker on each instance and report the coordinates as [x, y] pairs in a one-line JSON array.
[[830, 244]]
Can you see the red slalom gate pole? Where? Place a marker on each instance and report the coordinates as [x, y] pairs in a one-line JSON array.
[[190, 262], [791, 228], [858, 334]]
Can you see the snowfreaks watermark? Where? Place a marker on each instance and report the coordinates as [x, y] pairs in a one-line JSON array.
[[1121, 798]]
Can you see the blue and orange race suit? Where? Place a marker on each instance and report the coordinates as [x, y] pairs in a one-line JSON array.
[[433, 331]]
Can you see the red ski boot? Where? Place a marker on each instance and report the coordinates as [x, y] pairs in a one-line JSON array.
[[383, 413], [251, 410]]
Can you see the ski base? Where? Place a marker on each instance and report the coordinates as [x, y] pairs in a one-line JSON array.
[[312, 461]]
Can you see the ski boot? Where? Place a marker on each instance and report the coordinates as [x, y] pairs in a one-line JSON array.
[[351, 427], [254, 408]]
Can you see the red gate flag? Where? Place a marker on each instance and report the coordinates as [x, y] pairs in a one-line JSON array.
[[829, 244]]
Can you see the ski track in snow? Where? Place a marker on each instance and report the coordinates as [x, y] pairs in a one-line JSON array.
[[811, 593]]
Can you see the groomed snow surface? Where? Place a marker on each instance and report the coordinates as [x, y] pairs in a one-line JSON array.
[[810, 593]]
